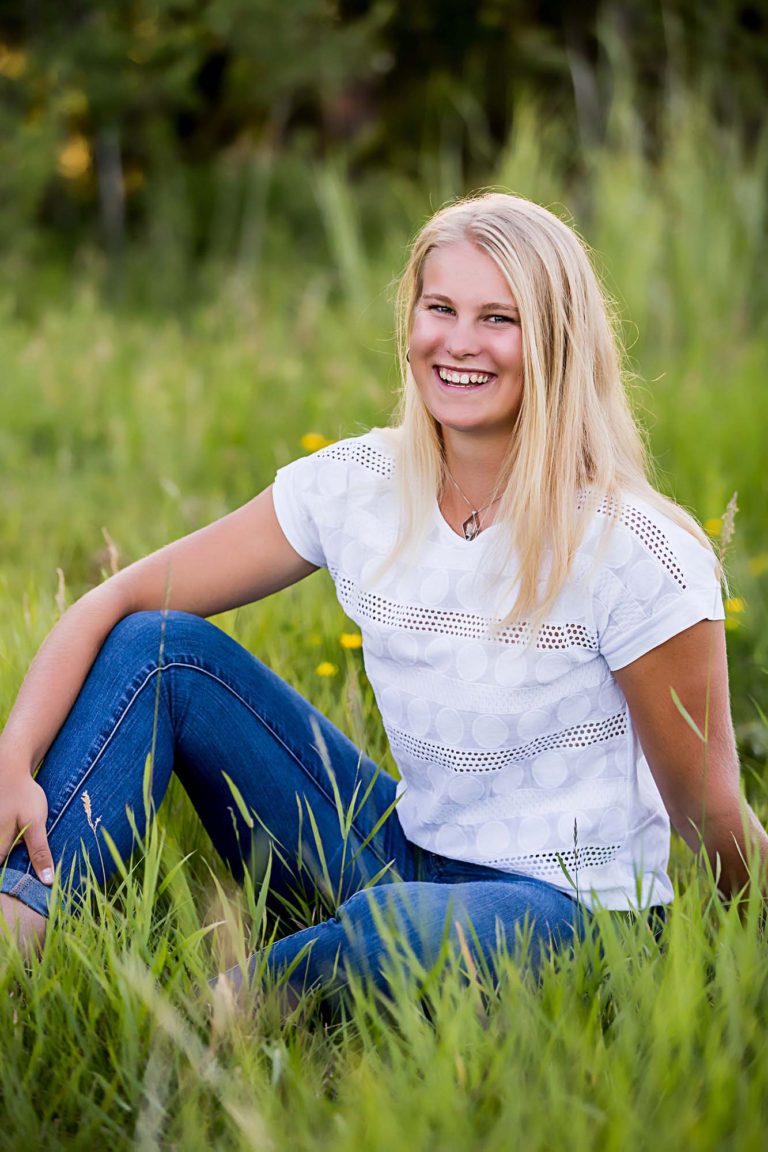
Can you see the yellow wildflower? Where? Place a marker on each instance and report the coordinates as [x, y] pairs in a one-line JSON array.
[[13, 62], [74, 158], [735, 605], [325, 668], [351, 640], [314, 441], [713, 526], [758, 565]]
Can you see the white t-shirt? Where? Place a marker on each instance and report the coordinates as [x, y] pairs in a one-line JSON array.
[[518, 756]]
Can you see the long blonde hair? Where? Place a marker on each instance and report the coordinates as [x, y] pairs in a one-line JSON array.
[[576, 441]]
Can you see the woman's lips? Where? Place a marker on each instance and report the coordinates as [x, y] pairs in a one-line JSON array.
[[461, 379]]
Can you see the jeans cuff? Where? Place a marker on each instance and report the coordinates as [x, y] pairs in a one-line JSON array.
[[26, 887]]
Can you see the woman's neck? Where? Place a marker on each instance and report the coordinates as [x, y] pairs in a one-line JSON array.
[[472, 483], [476, 468]]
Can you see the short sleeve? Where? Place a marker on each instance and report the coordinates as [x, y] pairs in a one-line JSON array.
[[325, 503], [294, 494], [656, 580]]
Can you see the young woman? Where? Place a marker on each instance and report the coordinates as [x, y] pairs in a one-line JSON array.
[[527, 602]]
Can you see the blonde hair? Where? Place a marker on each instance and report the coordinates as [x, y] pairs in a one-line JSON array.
[[575, 439]]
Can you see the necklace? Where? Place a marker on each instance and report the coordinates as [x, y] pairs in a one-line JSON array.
[[471, 526]]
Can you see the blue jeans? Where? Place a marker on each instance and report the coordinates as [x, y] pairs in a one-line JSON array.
[[174, 687]]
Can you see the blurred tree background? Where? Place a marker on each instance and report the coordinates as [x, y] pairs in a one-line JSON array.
[[203, 202], [177, 125]]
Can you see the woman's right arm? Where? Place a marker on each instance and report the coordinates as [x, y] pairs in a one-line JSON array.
[[238, 559]]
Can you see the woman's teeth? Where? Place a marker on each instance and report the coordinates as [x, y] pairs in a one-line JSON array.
[[449, 377]]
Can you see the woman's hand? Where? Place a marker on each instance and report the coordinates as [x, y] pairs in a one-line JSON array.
[[23, 812]]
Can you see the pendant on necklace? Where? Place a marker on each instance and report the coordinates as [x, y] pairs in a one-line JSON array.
[[471, 526]]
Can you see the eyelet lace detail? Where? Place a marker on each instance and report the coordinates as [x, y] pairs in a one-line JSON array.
[[482, 760], [360, 453], [649, 534], [547, 864], [405, 617]]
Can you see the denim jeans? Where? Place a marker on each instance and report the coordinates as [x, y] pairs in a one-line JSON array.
[[173, 687]]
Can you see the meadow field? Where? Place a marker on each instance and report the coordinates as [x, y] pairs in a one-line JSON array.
[[124, 423]]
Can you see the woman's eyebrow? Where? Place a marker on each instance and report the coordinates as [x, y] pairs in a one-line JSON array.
[[491, 307], [495, 306]]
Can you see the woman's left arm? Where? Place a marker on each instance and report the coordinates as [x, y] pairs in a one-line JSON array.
[[698, 780]]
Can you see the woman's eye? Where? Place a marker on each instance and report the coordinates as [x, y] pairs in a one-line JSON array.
[[443, 309], [502, 319]]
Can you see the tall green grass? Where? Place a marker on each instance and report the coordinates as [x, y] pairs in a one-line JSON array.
[[123, 427], [114, 1036]]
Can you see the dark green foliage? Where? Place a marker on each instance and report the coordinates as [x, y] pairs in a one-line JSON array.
[[167, 119]]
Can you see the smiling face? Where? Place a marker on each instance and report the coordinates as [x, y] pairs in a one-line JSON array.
[[466, 344]]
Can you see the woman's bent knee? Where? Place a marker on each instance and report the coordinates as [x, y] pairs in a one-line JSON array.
[[150, 633]]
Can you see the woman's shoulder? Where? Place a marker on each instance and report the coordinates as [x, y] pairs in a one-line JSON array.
[[360, 466], [651, 574], [372, 452], [647, 530], [329, 496]]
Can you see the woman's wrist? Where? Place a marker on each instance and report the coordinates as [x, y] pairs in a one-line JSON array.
[[15, 759]]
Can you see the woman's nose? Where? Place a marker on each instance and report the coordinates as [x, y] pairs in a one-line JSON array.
[[462, 341]]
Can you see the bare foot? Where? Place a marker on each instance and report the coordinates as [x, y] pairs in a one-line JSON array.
[[28, 926]]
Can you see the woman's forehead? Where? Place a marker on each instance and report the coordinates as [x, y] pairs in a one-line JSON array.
[[464, 268]]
